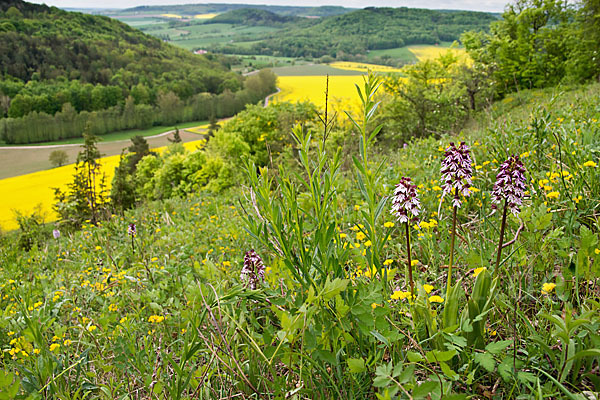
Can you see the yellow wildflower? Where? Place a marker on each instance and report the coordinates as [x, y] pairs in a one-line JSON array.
[[414, 262], [368, 243], [553, 195], [389, 262], [548, 287], [428, 288], [589, 164], [54, 346], [479, 270], [92, 328], [155, 319], [436, 299], [388, 225], [360, 236]]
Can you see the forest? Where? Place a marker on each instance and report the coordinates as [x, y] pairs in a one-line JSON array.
[[69, 68]]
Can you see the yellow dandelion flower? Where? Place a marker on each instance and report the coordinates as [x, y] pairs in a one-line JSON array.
[[548, 287], [436, 299]]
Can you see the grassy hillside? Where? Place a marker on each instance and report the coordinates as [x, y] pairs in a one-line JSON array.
[[167, 312]]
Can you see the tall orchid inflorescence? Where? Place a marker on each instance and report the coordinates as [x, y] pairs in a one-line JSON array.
[[510, 184], [253, 270], [406, 206], [457, 176], [457, 172], [132, 230], [405, 203], [510, 189]]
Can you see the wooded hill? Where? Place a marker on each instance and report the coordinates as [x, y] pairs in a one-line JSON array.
[[193, 9], [50, 58], [367, 29], [253, 16]]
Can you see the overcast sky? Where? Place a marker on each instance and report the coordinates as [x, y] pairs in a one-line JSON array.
[[478, 5]]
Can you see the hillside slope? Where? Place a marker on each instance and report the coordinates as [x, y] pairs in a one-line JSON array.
[[369, 29]]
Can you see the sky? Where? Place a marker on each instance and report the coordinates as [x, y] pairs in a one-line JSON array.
[[475, 5]]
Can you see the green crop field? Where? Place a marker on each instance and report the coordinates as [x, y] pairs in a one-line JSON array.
[[312, 69]]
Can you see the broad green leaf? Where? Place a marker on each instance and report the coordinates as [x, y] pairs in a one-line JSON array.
[[439, 356], [486, 360], [497, 347], [356, 365]]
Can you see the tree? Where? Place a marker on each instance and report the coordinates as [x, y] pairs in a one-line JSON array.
[[58, 158], [213, 124], [85, 197], [176, 137], [139, 148]]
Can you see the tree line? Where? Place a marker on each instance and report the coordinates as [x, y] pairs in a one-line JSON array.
[[169, 109]]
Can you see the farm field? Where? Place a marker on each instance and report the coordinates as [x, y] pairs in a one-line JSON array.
[[17, 160], [312, 88], [34, 191], [428, 52]]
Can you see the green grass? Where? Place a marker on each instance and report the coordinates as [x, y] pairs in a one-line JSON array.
[[125, 309], [400, 53]]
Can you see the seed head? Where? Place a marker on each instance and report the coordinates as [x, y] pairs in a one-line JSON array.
[[253, 270], [405, 202], [510, 184], [457, 172]]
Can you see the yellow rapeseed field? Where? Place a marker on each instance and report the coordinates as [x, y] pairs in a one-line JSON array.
[[205, 16], [427, 52], [312, 88], [171, 16], [364, 67], [26, 192]]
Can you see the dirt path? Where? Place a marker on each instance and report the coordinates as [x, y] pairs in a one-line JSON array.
[[26, 159], [271, 95]]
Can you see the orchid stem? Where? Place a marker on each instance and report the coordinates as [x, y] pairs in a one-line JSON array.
[[453, 237], [499, 256], [410, 276]]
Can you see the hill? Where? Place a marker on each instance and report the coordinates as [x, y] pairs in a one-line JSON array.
[[195, 9], [252, 17], [371, 28], [125, 304], [51, 59]]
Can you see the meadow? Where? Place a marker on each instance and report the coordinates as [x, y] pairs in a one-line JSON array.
[[323, 306]]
